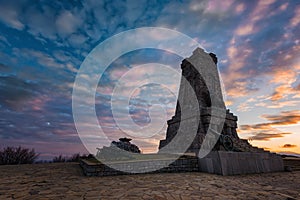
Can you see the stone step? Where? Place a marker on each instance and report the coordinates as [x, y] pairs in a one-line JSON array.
[[244, 145]]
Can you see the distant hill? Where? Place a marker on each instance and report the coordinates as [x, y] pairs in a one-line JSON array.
[[289, 154]]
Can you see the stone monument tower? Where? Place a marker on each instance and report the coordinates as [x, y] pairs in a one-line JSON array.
[[228, 154], [195, 77]]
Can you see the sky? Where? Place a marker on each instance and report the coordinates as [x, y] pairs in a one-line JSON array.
[[44, 43]]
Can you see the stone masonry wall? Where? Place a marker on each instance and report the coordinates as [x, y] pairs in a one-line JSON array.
[[186, 164]]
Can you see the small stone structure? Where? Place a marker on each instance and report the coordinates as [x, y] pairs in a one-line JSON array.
[[124, 143], [117, 150]]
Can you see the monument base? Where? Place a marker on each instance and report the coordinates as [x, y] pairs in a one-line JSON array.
[[233, 163]]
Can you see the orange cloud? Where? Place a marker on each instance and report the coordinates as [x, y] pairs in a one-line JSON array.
[[285, 77], [267, 136], [236, 80], [281, 92], [266, 131], [284, 118], [282, 75], [228, 102], [245, 30], [289, 146], [244, 107]]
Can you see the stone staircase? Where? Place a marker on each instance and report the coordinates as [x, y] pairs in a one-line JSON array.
[[244, 146], [294, 163]]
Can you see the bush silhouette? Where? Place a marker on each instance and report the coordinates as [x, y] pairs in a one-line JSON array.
[[74, 158], [17, 155], [59, 158]]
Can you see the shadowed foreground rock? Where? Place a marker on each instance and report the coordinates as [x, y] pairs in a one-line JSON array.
[[66, 181]]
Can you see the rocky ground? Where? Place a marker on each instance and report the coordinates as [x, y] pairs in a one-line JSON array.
[[66, 181]]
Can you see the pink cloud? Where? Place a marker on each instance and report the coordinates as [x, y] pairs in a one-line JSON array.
[[296, 19], [106, 90], [215, 6], [37, 103], [118, 73], [249, 26], [239, 8], [246, 29], [234, 80], [243, 107]]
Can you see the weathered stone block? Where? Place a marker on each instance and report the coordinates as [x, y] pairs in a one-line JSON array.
[[233, 163]]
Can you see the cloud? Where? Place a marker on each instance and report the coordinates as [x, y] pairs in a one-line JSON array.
[[245, 30], [67, 23], [243, 107], [250, 47], [296, 19], [251, 57], [266, 131], [297, 87], [41, 57], [237, 82], [261, 132], [284, 75], [229, 102], [266, 136], [283, 95], [240, 8], [278, 104], [4, 40], [78, 40], [249, 26], [289, 146], [9, 15], [284, 118], [215, 6], [40, 22], [5, 69], [15, 91], [284, 79], [37, 103]]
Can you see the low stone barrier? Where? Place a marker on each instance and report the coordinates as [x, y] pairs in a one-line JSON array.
[[217, 162], [183, 164]]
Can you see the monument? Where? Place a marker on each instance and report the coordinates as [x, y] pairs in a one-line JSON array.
[[230, 155], [201, 136]]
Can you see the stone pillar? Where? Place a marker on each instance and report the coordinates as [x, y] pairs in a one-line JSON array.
[[206, 65]]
